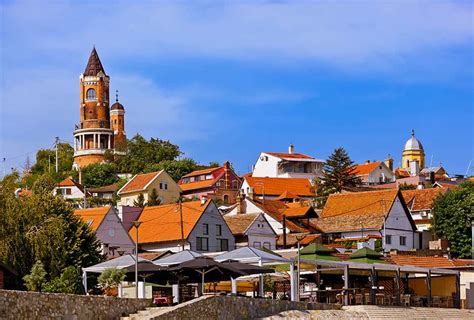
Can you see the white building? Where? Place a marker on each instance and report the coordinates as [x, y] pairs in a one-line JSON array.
[[287, 165], [374, 173], [251, 229], [373, 213]]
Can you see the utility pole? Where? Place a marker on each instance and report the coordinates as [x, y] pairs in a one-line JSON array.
[[56, 144], [181, 220], [284, 231], [384, 219]]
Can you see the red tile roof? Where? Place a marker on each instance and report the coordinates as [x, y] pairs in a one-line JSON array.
[[289, 155], [139, 182], [68, 182], [429, 261], [203, 171], [291, 239], [277, 186], [239, 223], [163, 223], [350, 211], [366, 168], [421, 199], [287, 196], [92, 216]]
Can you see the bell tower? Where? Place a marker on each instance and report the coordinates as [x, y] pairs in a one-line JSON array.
[[117, 121], [93, 136]]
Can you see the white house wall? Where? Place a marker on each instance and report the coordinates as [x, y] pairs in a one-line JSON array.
[[381, 171], [261, 231], [266, 168], [397, 224]]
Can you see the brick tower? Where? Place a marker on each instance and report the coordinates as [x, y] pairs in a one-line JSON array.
[[94, 135], [117, 121]]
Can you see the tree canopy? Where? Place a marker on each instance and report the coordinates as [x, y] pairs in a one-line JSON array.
[[338, 174], [453, 213], [99, 174], [43, 227]]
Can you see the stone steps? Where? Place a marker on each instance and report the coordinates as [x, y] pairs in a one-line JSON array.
[[148, 313]]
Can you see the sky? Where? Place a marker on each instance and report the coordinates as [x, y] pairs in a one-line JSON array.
[[228, 80]]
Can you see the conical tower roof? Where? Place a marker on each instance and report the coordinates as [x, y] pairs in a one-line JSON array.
[[94, 66]]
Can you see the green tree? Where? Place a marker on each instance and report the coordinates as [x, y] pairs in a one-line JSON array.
[[68, 282], [36, 279], [153, 198], [111, 278], [143, 153], [406, 186], [175, 168], [43, 227], [99, 174], [46, 162], [453, 213], [338, 173], [140, 202], [44, 183]]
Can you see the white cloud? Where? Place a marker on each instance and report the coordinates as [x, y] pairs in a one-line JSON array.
[[341, 34]]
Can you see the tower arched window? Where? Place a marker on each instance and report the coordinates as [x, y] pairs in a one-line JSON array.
[[91, 94]]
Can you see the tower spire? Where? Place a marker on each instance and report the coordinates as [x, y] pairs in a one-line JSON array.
[[412, 132], [116, 95], [94, 66]]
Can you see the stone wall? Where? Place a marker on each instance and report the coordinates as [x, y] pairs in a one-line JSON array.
[[34, 305], [228, 307]]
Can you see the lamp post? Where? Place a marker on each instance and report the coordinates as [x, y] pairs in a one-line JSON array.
[[136, 224], [298, 238]]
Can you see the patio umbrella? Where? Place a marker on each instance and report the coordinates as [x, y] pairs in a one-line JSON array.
[[206, 266], [147, 269], [247, 268]]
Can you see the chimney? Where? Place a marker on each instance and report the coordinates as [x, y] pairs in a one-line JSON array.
[[291, 149], [389, 162], [227, 175], [241, 203], [432, 177], [367, 161], [203, 201]]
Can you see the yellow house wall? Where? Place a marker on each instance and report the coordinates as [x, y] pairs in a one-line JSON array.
[[169, 196], [413, 155], [440, 286]]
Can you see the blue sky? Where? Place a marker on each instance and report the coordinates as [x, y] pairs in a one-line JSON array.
[[227, 80]]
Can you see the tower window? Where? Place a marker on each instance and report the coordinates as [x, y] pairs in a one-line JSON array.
[[115, 121], [91, 94]]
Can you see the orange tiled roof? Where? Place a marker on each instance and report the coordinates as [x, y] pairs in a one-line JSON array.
[[139, 182], [429, 261], [291, 239], [203, 171], [276, 209], [401, 173], [92, 216], [354, 203], [366, 168], [163, 223], [289, 155], [287, 195], [104, 189], [444, 185], [296, 209], [238, 224], [277, 186], [352, 211], [68, 182], [421, 199], [199, 184]]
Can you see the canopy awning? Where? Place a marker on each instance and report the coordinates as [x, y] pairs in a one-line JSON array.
[[118, 263], [178, 258], [251, 255]]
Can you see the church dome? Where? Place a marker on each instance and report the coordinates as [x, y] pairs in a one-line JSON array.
[[413, 143], [117, 106]]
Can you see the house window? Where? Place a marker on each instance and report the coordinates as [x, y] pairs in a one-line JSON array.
[[202, 244], [91, 94], [68, 191], [267, 245], [111, 233], [223, 244], [388, 239], [403, 240], [218, 230], [226, 199], [197, 178], [257, 244], [308, 168], [115, 121], [208, 176], [166, 186], [235, 184], [205, 228], [299, 167]]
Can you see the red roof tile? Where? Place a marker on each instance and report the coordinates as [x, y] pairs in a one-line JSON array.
[[139, 182], [277, 186], [428, 261], [366, 168], [163, 223], [421, 199], [289, 155], [92, 216]]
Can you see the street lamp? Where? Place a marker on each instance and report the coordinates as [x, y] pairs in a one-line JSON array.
[[299, 237], [136, 224]]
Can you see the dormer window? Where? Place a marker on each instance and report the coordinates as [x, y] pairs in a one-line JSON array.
[[91, 94]]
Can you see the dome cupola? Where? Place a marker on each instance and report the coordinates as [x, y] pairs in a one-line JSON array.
[[413, 143]]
